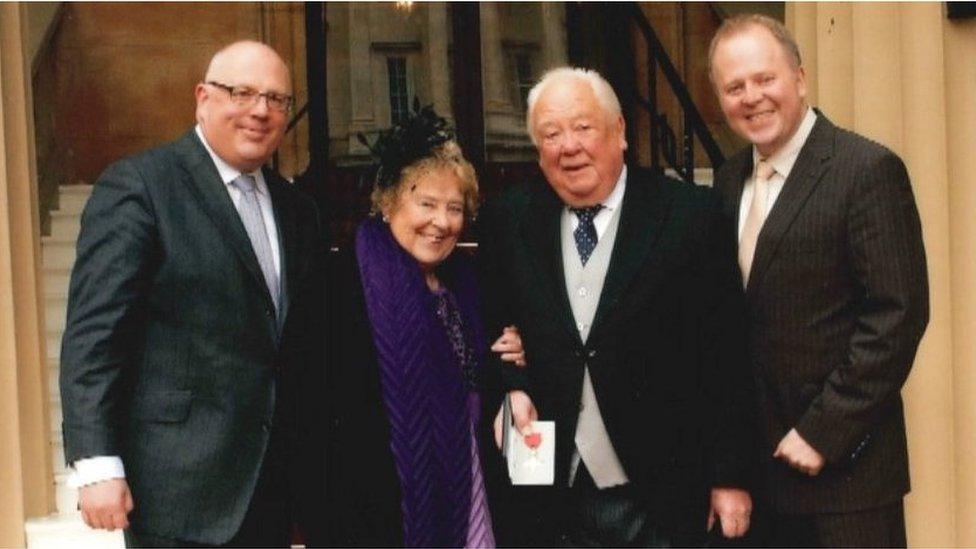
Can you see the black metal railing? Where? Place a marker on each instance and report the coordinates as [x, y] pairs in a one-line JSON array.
[[663, 140]]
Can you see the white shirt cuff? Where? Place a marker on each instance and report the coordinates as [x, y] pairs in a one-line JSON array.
[[96, 469]]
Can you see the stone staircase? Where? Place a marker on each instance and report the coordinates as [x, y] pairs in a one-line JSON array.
[[64, 529]]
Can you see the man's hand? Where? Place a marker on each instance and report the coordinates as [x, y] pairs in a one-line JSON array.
[[523, 412], [106, 505], [509, 346], [733, 506], [798, 454]]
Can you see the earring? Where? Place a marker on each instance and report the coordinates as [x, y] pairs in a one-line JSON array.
[[386, 219]]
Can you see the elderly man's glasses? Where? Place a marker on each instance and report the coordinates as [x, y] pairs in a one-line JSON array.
[[243, 96]]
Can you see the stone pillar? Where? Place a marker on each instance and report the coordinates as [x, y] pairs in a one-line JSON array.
[[881, 70], [929, 391], [834, 45], [500, 117], [360, 74], [876, 64], [931, 504], [553, 17], [25, 460], [960, 74], [801, 19], [436, 58]]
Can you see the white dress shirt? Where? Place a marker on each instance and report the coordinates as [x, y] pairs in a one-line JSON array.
[[782, 161], [96, 469], [602, 219]]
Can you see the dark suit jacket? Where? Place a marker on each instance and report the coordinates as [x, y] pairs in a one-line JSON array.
[[837, 300], [364, 489], [172, 357], [666, 352]]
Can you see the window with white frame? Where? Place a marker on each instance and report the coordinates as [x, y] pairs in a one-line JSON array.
[[396, 68]]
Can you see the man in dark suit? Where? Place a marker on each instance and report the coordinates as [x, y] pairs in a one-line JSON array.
[[187, 325], [624, 287], [830, 249]]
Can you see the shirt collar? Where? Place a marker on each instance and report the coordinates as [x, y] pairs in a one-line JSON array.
[[616, 196], [784, 159], [227, 172]]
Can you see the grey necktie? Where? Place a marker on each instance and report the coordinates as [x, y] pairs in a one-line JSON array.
[[250, 211]]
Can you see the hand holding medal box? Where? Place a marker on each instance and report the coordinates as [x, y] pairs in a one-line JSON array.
[[531, 457]]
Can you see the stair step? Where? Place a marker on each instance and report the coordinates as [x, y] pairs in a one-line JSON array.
[[56, 281], [72, 198], [55, 415], [65, 223], [55, 309], [53, 376], [61, 469], [53, 342], [65, 496], [58, 252], [69, 532], [54, 323]]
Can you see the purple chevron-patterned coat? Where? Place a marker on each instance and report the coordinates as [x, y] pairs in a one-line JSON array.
[[426, 346]]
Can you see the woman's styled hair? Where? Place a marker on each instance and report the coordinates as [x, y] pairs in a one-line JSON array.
[[446, 157]]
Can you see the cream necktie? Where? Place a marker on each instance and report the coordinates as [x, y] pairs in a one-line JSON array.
[[755, 218]]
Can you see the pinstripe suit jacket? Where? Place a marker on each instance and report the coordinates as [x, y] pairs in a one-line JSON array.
[[837, 302]]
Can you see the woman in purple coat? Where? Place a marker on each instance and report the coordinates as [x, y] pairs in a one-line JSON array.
[[406, 345]]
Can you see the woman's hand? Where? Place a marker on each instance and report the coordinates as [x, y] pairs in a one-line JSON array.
[[509, 346]]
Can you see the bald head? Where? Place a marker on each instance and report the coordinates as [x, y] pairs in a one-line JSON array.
[[233, 108], [243, 57]]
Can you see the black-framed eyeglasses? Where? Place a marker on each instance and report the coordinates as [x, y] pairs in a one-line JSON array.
[[243, 96]]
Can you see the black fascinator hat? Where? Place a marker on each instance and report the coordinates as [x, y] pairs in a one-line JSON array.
[[412, 139]]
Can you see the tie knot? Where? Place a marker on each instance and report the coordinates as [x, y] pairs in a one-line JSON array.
[[244, 182], [587, 213], [764, 170]]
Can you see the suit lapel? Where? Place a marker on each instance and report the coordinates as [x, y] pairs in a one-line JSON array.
[[205, 183], [740, 166], [287, 238], [643, 210], [806, 173], [540, 232]]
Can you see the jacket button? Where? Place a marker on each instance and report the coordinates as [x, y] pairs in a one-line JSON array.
[[592, 353], [269, 313]]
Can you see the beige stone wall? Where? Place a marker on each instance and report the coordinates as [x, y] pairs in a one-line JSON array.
[[902, 74]]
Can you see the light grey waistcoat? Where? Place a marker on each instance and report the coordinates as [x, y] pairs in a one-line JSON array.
[[584, 286]]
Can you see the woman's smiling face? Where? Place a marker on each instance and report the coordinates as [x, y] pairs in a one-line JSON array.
[[428, 217]]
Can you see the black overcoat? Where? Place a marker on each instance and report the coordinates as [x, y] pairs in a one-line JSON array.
[[666, 351]]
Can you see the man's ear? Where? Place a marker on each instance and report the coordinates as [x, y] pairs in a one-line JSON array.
[[622, 127], [801, 83], [202, 94]]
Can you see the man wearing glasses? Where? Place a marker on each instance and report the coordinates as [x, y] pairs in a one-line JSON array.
[[186, 340]]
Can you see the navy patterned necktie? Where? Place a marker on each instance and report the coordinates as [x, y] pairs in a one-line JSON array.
[[585, 233]]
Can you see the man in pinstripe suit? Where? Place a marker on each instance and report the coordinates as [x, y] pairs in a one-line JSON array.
[[831, 253]]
